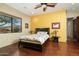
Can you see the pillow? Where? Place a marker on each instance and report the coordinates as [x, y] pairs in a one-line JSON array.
[[41, 32]]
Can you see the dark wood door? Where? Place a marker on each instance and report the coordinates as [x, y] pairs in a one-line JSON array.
[[76, 28]]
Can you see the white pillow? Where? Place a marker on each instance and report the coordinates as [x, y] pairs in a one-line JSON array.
[[41, 32]]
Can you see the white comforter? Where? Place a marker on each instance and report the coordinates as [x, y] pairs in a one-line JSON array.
[[38, 37]]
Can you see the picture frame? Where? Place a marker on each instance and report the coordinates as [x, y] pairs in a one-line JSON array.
[[26, 25], [56, 25]]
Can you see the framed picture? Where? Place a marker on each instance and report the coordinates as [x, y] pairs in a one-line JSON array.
[[26, 25], [56, 25]]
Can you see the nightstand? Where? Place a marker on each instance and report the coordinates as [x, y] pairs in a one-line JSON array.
[[55, 39]]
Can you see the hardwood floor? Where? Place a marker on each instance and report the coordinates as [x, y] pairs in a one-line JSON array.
[[51, 49]]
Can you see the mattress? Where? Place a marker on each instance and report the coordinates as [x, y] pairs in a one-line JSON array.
[[31, 41], [35, 38]]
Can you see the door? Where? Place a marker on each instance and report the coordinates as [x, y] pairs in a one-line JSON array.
[[70, 29], [76, 29]]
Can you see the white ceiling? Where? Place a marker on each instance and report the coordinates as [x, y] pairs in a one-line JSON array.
[[28, 8]]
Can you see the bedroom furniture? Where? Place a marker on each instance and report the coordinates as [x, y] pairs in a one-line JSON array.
[[34, 45], [55, 39]]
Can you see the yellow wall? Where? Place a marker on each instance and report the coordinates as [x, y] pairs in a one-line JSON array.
[[10, 38], [46, 20]]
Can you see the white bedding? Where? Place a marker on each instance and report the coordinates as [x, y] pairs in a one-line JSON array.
[[39, 37]]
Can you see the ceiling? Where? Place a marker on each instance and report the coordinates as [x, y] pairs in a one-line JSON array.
[[28, 8]]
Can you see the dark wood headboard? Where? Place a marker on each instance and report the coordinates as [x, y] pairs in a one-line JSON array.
[[42, 29]]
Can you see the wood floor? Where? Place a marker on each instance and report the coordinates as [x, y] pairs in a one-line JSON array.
[[51, 49]]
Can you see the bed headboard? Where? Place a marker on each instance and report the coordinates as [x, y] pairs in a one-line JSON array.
[[42, 29]]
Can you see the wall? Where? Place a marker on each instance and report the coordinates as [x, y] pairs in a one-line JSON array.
[[46, 20], [71, 14], [10, 38]]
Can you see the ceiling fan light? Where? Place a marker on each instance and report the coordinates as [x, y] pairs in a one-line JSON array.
[[43, 6]]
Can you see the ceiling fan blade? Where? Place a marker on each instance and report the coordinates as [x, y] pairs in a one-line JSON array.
[[51, 4], [44, 9], [38, 6]]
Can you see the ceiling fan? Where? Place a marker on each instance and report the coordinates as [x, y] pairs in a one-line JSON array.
[[45, 5]]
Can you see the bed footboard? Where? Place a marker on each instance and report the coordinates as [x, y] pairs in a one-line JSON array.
[[33, 46]]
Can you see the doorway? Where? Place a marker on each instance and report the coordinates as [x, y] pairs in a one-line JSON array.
[[70, 29]]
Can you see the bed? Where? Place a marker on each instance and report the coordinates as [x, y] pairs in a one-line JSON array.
[[35, 41]]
